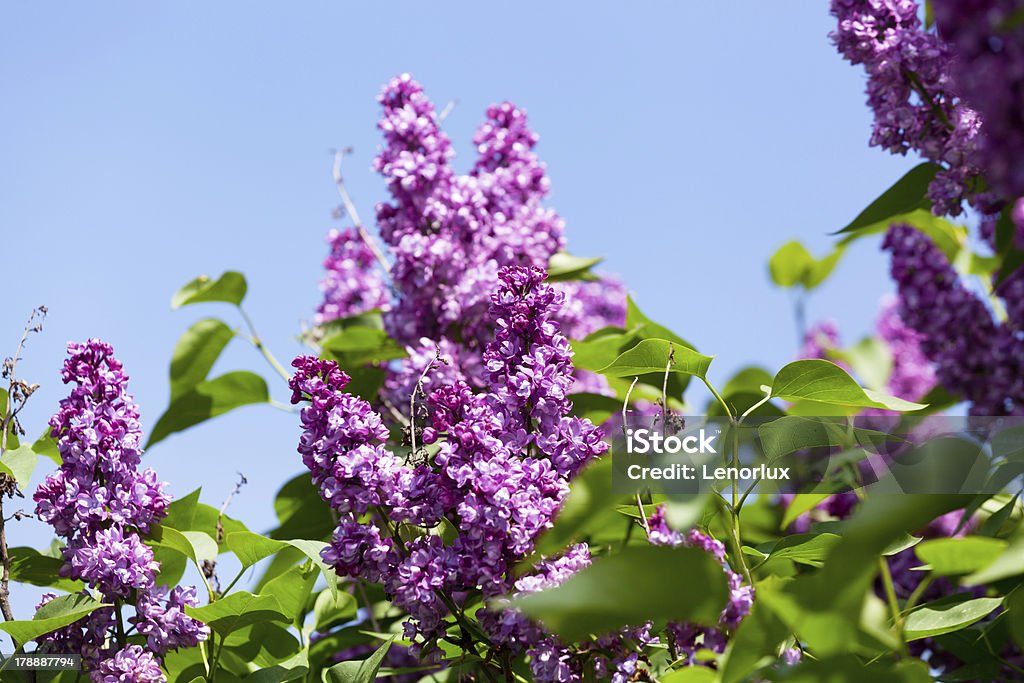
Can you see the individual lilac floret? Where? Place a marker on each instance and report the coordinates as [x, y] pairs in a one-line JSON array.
[[100, 504], [975, 357], [910, 92], [352, 283]]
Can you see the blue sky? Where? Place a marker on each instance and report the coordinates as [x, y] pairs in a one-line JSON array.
[[143, 144]]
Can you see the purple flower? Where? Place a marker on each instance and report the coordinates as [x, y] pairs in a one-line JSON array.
[[974, 357], [820, 339], [130, 665], [101, 504], [912, 374], [686, 639], [352, 284], [988, 73], [910, 92]]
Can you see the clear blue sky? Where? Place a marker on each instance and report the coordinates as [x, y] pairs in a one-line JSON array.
[[143, 144]]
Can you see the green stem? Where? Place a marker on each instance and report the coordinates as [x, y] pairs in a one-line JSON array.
[[714, 392], [890, 594], [254, 339]]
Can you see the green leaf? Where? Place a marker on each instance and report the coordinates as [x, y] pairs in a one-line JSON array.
[[357, 346], [825, 608], [822, 268], [871, 359], [12, 432], [250, 548], [789, 265], [229, 287], [635, 318], [901, 544], [952, 556], [1015, 615], [55, 614], [638, 584], [294, 668], [1009, 563], [181, 513], [948, 237], [563, 266], [292, 589], [601, 348], [946, 615], [850, 669], [652, 355], [907, 194], [329, 611], [690, 674], [359, 672], [801, 503], [825, 382], [19, 463], [589, 508], [300, 511], [792, 265], [46, 446], [196, 352], [195, 545], [810, 549], [30, 566], [208, 399], [594, 407], [238, 609]]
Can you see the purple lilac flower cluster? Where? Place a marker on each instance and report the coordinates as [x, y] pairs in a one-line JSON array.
[[352, 283], [912, 375], [988, 73], [101, 504], [910, 91], [450, 234], [687, 639], [820, 340], [498, 476], [975, 357]]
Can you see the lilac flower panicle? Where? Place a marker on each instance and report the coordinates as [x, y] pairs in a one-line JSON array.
[[974, 356], [912, 375], [352, 283], [499, 474], [988, 73], [820, 339], [101, 504], [910, 91]]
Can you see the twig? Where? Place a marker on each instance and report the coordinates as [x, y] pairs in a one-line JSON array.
[[209, 568], [446, 111], [18, 393], [350, 209], [418, 389], [664, 388]]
